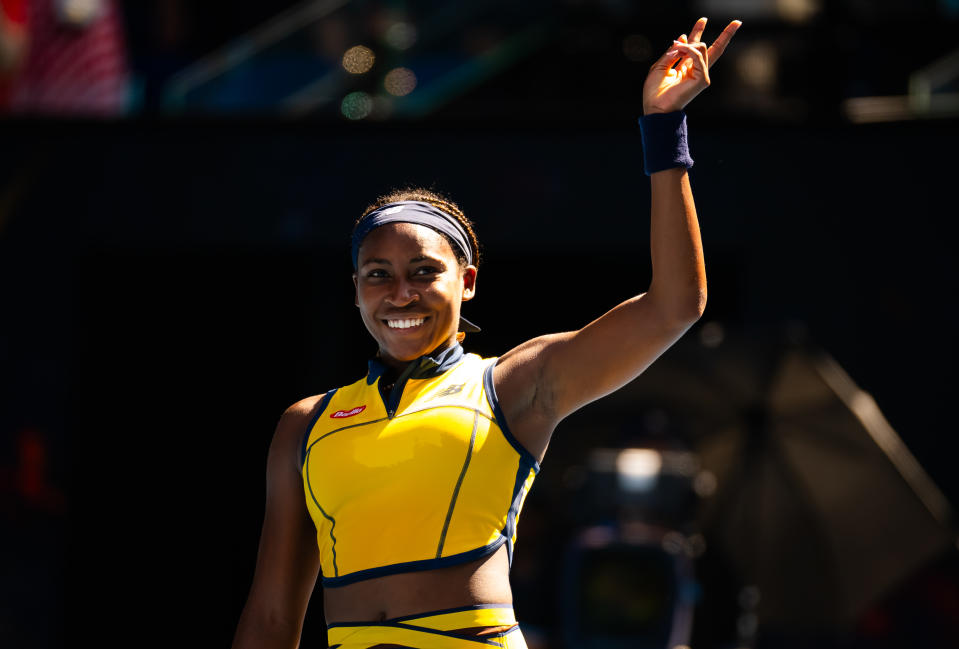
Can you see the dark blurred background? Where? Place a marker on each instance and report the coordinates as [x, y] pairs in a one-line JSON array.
[[177, 184]]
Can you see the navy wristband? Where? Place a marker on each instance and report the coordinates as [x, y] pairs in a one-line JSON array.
[[664, 141]]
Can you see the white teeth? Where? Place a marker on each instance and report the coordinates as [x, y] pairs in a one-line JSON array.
[[404, 324]]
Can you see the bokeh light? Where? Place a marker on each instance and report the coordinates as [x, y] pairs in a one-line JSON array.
[[358, 59], [399, 82], [401, 35], [356, 105], [798, 11], [756, 65], [711, 334], [79, 13]]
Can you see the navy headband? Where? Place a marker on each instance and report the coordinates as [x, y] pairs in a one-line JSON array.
[[413, 212]]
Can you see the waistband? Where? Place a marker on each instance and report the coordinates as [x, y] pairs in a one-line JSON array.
[[430, 630]]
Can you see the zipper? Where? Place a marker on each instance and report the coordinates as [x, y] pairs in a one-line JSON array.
[[396, 393]]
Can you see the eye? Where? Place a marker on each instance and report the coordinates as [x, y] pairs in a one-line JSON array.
[[427, 270], [377, 273]]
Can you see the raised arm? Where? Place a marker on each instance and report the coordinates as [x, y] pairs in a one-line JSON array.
[[287, 563], [545, 379]]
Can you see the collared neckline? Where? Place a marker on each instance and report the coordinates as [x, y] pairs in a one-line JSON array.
[[426, 366]]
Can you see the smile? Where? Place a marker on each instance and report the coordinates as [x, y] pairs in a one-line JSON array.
[[405, 323]]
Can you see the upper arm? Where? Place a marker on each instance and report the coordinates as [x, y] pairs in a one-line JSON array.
[[545, 379], [287, 562]]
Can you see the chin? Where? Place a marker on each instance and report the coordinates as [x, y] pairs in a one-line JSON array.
[[404, 353]]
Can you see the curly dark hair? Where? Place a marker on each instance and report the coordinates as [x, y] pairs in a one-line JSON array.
[[436, 200]]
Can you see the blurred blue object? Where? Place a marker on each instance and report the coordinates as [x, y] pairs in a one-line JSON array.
[[293, 63]]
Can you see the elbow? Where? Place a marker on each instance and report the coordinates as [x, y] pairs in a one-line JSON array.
[[678, 310], [685, 311], [693, 309], [700, 307], [266, 626]]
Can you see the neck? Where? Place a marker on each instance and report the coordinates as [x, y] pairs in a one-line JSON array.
[[435, 361], [395, 366]]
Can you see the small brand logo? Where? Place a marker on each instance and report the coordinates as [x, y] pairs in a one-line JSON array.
[[453, 389], [339, 414]]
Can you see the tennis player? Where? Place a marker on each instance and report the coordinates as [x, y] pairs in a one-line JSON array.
[[402, 490]]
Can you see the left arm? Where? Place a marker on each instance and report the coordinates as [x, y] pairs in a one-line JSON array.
[[543, 380]]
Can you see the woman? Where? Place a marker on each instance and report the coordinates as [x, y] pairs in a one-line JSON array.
[[413, 477]]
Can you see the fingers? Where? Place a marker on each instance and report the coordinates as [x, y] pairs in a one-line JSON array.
[[681, 39], [667, 60], [701, 57], [697, 32], [694, 56], [719, 45]]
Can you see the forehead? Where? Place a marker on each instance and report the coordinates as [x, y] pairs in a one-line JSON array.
[[404, 239]]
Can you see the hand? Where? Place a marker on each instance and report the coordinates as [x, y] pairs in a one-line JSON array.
[[683, 72]]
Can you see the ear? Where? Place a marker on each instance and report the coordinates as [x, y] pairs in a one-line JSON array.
[[469, 283], [356, 292]]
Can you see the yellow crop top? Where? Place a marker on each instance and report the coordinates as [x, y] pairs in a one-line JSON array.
[[424, 477]]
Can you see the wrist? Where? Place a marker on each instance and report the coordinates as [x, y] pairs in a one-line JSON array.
[[654, 110], [665, 142]]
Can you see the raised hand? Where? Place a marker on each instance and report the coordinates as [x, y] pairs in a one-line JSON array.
[[683, 71]]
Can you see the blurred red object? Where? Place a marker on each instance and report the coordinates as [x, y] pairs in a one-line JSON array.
[[13, 22], [73, 64], [26, 486], [33, 474]]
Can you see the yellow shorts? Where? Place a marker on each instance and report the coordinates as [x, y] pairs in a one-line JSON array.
[[431, 630]]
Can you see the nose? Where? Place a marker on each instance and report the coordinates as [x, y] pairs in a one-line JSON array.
[[403, 293]]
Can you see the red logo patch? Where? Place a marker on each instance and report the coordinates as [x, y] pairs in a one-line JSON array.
[[339, 414]]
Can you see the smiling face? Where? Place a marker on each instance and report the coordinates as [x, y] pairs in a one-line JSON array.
[[409, 286]]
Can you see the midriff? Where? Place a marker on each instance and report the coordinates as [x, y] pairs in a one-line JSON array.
[[483, 581]]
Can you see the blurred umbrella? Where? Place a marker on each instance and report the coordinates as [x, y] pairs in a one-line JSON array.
[[817, 501]]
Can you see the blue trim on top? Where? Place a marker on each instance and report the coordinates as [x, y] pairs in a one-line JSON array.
[[522, 473], [426, 366], [393, 402], [501, 418], [413, 566], [324, 402], [456, 489], [309, 487], [432, 366], [375, 368]]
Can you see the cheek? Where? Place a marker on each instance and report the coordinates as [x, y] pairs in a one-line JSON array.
[[451, 290], [365, 304]]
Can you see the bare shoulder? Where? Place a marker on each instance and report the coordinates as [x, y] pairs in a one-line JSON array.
[[294, 422], [304, 409]]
